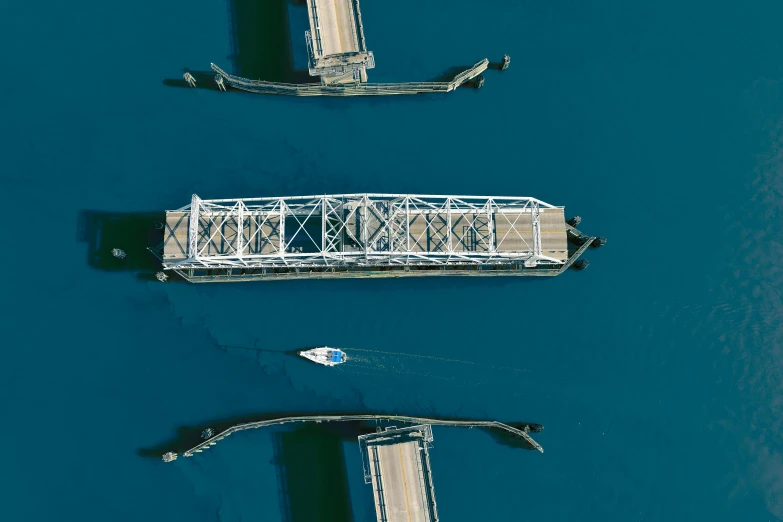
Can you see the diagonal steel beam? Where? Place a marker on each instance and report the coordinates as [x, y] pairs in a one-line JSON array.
[[193, 227]]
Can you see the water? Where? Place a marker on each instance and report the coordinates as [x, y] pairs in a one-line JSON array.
[[656, 371]]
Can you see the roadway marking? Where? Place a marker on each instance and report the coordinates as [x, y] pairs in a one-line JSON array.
[[404, 483], [337, 21]]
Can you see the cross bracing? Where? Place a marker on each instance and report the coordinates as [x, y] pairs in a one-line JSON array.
[[364, 230]]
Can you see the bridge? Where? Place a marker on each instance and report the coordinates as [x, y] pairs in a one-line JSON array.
[[396, 460], [397, 463], [215, 438], [335, 42], [349, 89], [359, 235], [337, 54]]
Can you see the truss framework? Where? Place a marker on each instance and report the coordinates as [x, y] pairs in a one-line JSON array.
[[363, 230]]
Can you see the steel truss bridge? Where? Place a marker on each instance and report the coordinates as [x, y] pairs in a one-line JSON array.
[[337, 234]]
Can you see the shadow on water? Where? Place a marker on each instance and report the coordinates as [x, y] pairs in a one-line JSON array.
[[256, 349], [189, 436], [312, 474], [204, 80], [131, 232], [264, 45], [498, 66], [450, 73], [261, 43], [509, 439]]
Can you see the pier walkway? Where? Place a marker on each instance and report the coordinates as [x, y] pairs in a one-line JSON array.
[[353, 418], [349, 89]]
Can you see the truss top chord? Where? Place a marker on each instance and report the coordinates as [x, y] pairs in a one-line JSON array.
[[364, 230]]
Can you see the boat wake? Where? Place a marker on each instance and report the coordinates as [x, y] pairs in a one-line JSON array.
[[370, 358], [415, 366]]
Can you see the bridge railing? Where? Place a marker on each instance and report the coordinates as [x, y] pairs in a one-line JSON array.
[[345, 418], [353, 89]]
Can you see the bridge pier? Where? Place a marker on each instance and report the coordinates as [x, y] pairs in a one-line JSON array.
[[220, 83]]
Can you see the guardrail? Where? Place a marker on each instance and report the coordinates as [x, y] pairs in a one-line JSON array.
[[350, 89], [345, 418], [588, 240]]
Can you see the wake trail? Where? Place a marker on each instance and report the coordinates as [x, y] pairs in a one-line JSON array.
[[433, 358], [414, 355]]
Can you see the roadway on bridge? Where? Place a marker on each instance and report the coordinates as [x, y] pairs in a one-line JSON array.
[[335, 25], [403, 492]]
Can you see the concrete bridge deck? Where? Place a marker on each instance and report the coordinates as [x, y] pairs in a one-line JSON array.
[[334, 26], [336, 42], [397, 464]]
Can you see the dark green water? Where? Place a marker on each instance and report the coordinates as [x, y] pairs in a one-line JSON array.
[[657, 371]]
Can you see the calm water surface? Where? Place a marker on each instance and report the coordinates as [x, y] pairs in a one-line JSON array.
[[656, 372]]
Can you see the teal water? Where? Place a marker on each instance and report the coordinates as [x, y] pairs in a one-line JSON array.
[[656, 371]]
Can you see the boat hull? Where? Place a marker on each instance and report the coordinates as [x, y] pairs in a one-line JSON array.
[[325, 356]]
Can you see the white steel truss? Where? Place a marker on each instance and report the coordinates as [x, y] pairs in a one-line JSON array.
[[363, 230]]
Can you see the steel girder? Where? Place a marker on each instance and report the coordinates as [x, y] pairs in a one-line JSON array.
[[360, 230]]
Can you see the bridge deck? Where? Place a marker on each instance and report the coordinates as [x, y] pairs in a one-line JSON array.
[[336, 42], [333, 24], [397, 464], [429, 232]]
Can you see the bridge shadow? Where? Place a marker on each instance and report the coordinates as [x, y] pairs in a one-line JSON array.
[[312, 472], [131, 232], [263, 46], [261, 39]]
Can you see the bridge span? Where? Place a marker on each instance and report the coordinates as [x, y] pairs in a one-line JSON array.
[[337, 54], [335, 42], [395, 460], [367, 235]]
